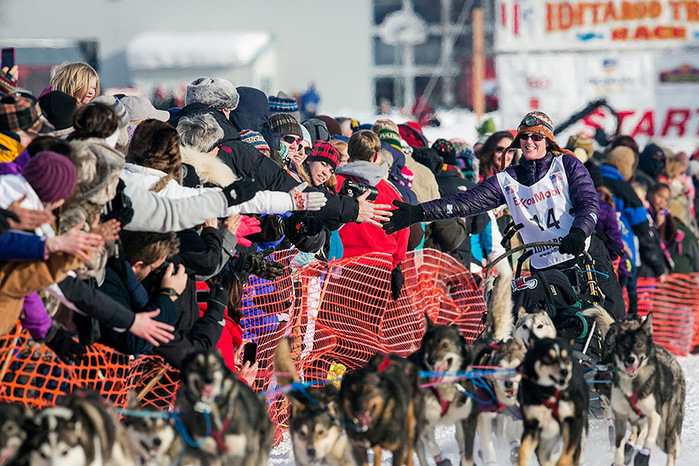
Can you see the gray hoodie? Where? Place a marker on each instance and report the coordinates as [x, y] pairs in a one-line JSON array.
[[366, 172]]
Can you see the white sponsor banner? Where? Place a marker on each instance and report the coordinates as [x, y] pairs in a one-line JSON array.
[[538, 25], [655, 94]]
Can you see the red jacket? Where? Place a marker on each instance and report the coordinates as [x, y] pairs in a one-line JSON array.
[[363, 238]]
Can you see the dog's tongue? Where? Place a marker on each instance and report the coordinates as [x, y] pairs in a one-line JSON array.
[[631, 370], [364, 419], [207, 391]]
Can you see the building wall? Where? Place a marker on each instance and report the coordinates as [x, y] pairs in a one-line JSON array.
[[320, 41]]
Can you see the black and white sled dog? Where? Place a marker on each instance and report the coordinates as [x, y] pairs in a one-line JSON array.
[[531, 326], [554, 399], [317, 435], [15, 429], [648, 391], [224, 416], [448, 402], [155, 440], [85, 431]]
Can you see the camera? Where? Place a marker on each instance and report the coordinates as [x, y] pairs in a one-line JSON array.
[[354, 190]]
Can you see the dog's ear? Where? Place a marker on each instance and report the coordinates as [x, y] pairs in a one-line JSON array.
[[647, 325], [521, 312], [428, 322]]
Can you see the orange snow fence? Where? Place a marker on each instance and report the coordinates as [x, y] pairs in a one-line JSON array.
[[337, 315]]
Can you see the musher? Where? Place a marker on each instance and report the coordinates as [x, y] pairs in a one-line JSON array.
[[549, 193]]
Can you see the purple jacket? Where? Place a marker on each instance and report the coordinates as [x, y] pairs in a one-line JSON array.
[[488, 195]]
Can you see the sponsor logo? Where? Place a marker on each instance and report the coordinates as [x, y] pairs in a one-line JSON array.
[[537, 197], [519, 284]]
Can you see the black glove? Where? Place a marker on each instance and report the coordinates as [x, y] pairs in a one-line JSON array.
[[4, 216], [241, 191], [402, 217], [61, 342], [397, 282], [300, 223], [119, 208], [218, 298], [573, 243], [256, 264]]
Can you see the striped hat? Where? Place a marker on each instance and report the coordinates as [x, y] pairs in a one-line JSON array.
[[255, 139], [390, 137], [284, 103]]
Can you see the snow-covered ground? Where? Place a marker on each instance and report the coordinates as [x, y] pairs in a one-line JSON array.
[[597, 451]]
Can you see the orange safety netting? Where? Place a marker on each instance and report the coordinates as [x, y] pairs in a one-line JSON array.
[[338, 314]]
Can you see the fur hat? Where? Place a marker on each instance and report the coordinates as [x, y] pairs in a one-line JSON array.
[[283, 123], [581, 146], [98, 170], [218, 93], [623, 159], [51, 175]]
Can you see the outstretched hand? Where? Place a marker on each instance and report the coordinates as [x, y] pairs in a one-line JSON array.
[[403, 216], [372, 213], [153, 331]]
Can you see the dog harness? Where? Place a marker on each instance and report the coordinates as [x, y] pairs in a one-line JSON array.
[[633, 399], [443, 403], [552, 405], [218, 435]]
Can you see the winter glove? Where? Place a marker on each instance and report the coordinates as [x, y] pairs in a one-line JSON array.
[[573, 243], [241, 191], [302, 224], [119, 208], [61, 342], [248, 226], [402, 217], [4, 223], [256, 264], [217, 300], [312, 200], [397, 282]]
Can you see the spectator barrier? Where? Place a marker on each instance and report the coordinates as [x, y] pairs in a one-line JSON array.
[[337, 315]]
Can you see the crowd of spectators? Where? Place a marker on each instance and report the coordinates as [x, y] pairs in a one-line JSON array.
[[117, 218]]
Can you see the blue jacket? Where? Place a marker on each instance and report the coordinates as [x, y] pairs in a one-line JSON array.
[[488, 194], [15, 245], [634, 219]]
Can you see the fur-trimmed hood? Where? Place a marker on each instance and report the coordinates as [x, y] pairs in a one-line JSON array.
[[98, 168], [209, 168]]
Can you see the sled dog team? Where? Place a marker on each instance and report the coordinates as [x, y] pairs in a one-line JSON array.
[[540, 394]]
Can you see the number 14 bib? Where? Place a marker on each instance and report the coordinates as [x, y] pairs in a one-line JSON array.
[[544, 210]]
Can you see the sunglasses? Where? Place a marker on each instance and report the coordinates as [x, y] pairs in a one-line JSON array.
[[291, 139], [307, 150], [534, 137]]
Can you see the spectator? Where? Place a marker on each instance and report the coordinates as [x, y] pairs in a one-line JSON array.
[[79, 80]]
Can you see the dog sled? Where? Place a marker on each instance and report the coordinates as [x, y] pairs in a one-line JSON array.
[[571, 298]]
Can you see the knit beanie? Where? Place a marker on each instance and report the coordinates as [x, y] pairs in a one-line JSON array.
[[391, 137], [255, 139], [446, 150], [306, 135], [318, 129], [330, 123], [623, 159], [535, 122], [324, 152], [283, 123], [284, 103], [51, 175], [218, 93], [58, 108]]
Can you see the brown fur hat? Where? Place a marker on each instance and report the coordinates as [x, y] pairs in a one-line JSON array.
[[98, 169], [623, 159], [155, 144]]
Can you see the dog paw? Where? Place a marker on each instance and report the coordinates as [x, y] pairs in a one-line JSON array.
[[641, 459], [629, 451]]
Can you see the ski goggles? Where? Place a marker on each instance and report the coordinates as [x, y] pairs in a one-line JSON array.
[[531, 120]]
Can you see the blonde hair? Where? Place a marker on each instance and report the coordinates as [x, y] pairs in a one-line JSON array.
[[674, 168], [384, 124], [339, 144], [74, 79], [385, 157]]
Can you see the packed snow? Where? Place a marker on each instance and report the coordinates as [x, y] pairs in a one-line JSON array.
[[597, 450]]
